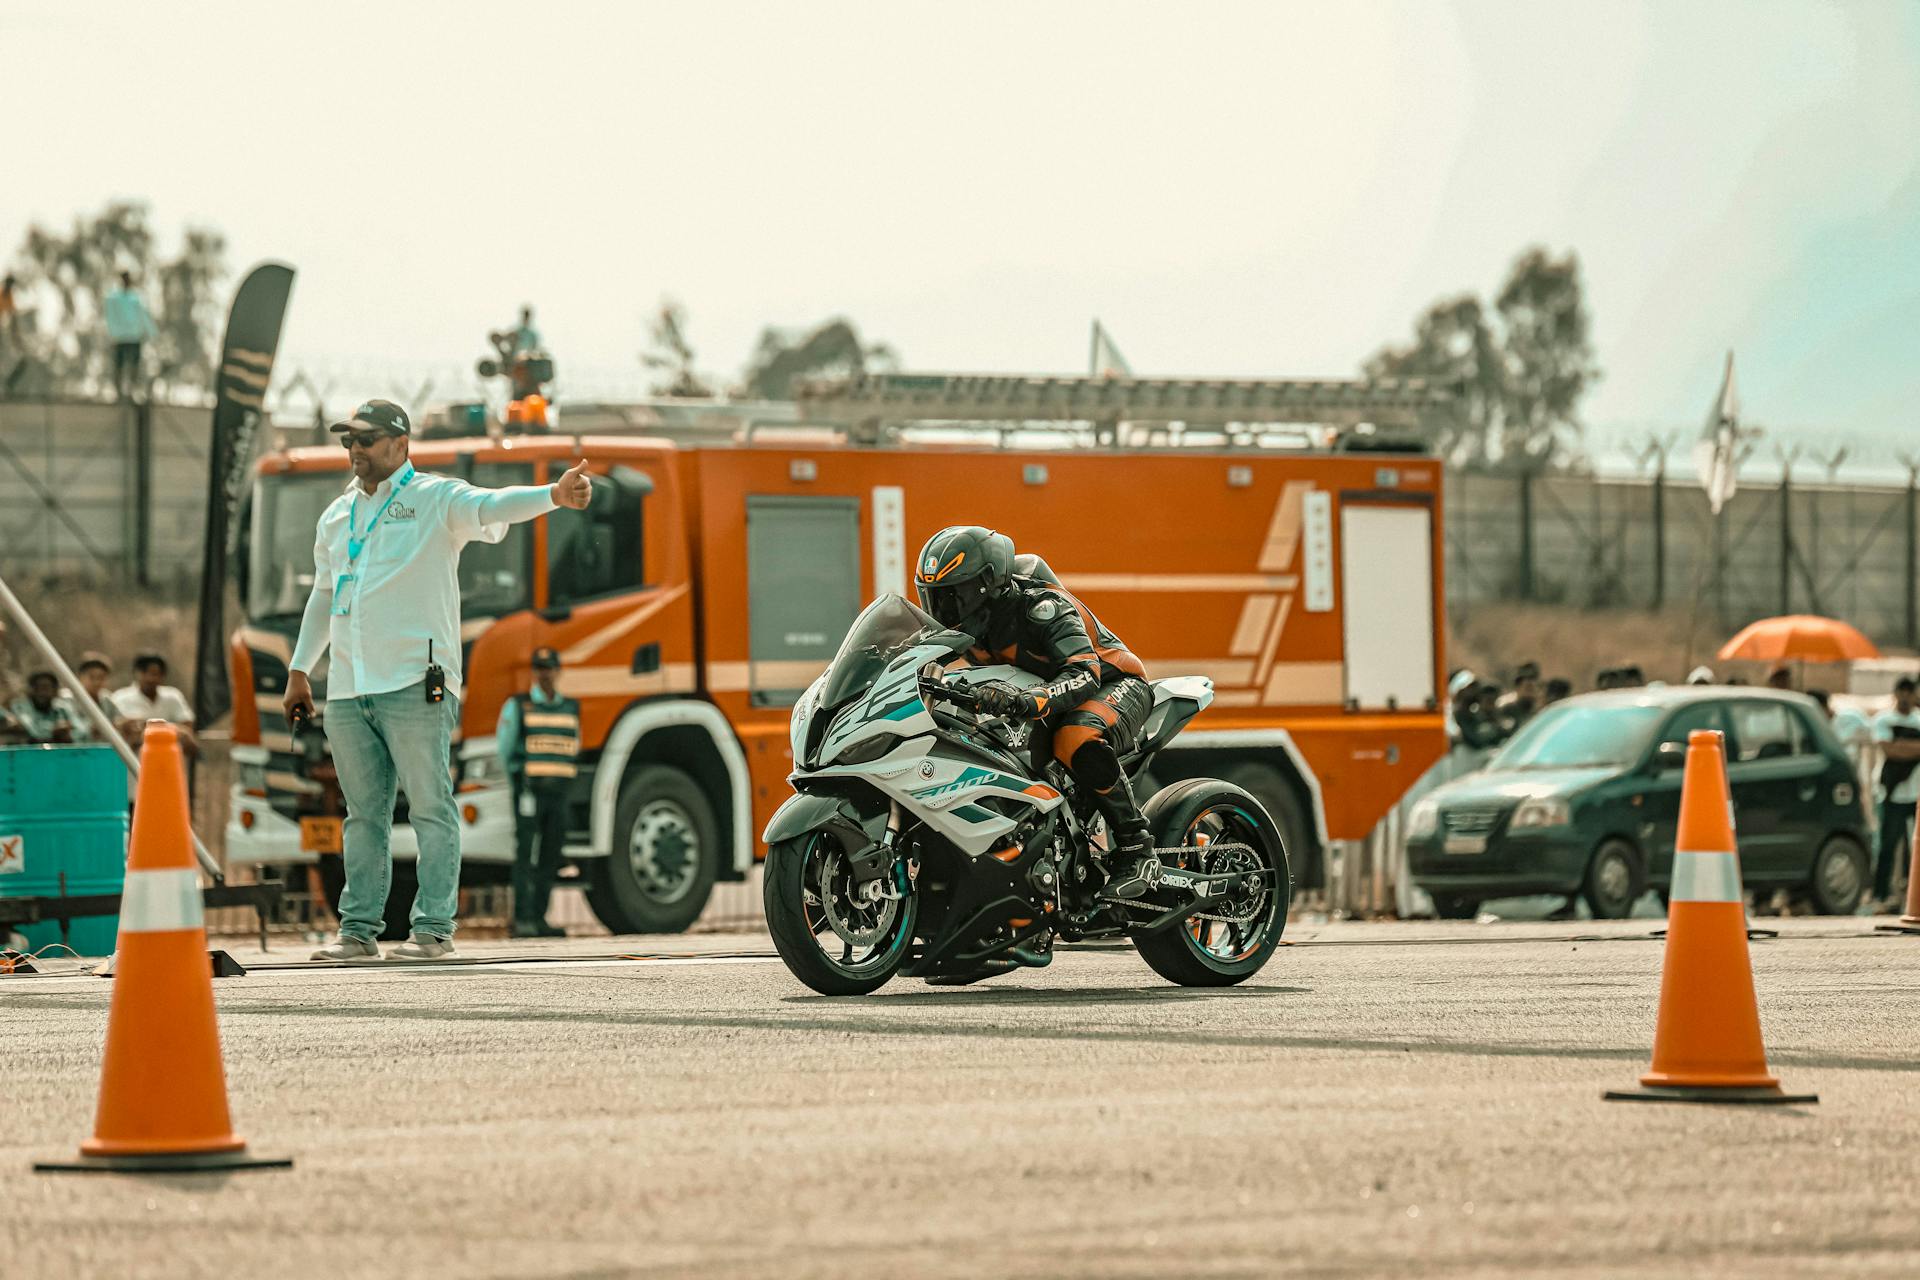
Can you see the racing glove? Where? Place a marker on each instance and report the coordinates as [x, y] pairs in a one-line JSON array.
[[1004, 700]]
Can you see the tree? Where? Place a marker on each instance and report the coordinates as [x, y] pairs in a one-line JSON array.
[[73, 274], [1519, 372], [1549, 358], [671, 355], [785, 357], [1453, 344]]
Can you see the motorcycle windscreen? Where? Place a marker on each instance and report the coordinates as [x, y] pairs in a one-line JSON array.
[[884, 630]]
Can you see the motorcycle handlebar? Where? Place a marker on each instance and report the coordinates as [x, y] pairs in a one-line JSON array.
[[959, 695]]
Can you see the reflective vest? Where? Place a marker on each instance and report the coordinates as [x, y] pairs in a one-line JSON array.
[[549, 737]]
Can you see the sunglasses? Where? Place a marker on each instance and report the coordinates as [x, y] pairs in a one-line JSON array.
[[365, 439]]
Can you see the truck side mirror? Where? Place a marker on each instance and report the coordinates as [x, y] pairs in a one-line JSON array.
[[1669, 755]]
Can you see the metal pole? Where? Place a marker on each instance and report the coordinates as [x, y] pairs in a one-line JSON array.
[[143, 494], [1786, 539], [1913, 555], [1526, 532], [1660, 535], [101, 724]]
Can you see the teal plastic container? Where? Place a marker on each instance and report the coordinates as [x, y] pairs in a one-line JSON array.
[[64, 810]]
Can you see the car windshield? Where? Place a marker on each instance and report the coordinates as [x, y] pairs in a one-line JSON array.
[[495, 577], [1573, 735], [886, 629]]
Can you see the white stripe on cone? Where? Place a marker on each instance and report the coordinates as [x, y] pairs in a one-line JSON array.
[[1705, 877], [157, 901]]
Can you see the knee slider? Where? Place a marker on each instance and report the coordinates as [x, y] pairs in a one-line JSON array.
[[1096, 765]]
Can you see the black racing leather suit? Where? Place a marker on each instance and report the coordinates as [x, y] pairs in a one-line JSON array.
[[1095, 699]]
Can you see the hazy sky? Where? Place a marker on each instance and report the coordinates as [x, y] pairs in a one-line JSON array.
[[1233, 189]]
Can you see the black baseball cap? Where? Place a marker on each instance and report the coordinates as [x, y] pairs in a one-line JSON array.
[[377, 415], [545, 659]]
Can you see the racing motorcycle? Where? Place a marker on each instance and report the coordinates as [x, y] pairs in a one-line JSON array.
[[927, 839]]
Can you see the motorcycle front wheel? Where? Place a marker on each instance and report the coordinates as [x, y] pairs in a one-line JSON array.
[[832, 938]]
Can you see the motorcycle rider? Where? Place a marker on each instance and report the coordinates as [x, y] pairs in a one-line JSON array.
[[1096, 698]]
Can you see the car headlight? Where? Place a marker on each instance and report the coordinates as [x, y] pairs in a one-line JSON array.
[[1541, 811], [1424, 820]]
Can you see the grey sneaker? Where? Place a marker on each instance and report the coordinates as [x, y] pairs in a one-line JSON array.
[[424, 946], [345, 948]]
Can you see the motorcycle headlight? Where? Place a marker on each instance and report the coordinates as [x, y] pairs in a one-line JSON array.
[[803, 717], [1424, 819], [871, 749], [1541, 811]]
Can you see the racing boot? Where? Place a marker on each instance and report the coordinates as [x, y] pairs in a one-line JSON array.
[[1132, 867]]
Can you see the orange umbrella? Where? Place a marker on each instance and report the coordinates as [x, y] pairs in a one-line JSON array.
[[1800, 636]]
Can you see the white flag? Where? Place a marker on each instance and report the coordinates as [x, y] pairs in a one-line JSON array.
[[1106, 360], [1717, 455]]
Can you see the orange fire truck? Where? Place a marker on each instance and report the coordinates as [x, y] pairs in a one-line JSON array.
[[1280, 538]]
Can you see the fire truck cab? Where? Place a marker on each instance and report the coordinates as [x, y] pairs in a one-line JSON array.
[[1267, 535]]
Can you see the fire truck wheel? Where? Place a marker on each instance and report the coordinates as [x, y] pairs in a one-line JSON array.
[[333, 878], [1265, 784], [666, 849]]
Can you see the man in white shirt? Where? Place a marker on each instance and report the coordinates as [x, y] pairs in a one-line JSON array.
[[148, 699], [386, 599], [1897, 730]]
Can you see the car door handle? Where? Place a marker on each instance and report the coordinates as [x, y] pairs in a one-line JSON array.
[[1808, 790]]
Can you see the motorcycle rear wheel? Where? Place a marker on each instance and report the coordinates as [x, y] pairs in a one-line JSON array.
[[1209, 953], [801, 875]]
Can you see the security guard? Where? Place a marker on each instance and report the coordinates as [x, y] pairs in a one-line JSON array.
[[539, 743]]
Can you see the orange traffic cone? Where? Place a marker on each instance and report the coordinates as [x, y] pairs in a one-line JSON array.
[[1707, 1047], [1910, 922], [163, 1089]]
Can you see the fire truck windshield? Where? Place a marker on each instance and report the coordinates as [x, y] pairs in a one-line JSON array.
[[495, 578]]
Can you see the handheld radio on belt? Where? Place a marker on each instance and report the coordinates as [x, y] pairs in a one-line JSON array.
[[436, 677]]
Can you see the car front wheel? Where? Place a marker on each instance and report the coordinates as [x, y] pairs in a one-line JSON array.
[[1615, 880], [1839, 879]]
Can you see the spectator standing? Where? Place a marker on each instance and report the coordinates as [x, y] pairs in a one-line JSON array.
[[538, 739], [1897, 730], [386, 600], [1781, 677], [1558, 689], [1517, 704], [129, 328], [39, 714], [9, 311], [149, 698], [12, 349], [526, 338]]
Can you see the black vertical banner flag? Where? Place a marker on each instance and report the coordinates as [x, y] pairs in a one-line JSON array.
[[239, 405]]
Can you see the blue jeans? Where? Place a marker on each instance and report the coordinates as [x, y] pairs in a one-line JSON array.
[[379, 742]]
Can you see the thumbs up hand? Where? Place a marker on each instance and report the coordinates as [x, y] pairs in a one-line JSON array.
[[574, 489]]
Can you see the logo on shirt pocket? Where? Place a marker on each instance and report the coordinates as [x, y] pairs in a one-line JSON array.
[[400, 512]]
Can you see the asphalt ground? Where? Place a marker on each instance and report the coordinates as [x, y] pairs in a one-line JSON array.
[[1381, 1100]]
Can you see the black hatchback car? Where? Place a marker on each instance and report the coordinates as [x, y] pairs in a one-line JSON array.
[[1585, 798]]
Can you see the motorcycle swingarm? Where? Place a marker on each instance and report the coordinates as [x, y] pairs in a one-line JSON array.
[[1206, 891]]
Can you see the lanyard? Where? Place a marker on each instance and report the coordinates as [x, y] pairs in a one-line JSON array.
[[357, 543]]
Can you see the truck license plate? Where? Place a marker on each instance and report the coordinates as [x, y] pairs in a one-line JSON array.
[[1465, 844], [320, 835]]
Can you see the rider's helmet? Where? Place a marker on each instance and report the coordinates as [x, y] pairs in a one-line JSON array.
[[962, 572]]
